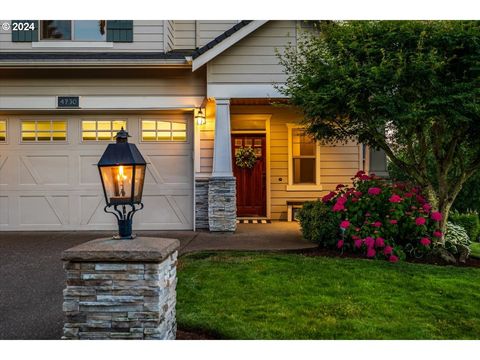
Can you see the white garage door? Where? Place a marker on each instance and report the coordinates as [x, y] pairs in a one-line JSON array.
[[49, 181]]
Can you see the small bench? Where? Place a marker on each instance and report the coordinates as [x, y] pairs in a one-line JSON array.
[[295, 204]]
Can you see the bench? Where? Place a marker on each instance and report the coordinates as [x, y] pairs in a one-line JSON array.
[[295, 204]]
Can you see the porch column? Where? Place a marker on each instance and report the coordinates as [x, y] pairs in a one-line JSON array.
[[222, 207]]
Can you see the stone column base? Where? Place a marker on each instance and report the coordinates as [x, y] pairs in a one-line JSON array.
[[121, 289], [222, 204]]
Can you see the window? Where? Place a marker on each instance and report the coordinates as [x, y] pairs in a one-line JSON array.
[[78, 30], [44, 130], [98, 130], [303, 160], [156, 130], [3, 130]]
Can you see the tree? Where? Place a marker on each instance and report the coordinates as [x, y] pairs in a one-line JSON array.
[[407, 87]]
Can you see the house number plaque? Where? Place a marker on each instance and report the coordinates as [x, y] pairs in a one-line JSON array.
[[68, 102]]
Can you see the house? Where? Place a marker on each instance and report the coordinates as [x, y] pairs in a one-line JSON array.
[[67, 87]]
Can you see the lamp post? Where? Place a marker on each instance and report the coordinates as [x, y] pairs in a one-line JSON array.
[[122, 171]]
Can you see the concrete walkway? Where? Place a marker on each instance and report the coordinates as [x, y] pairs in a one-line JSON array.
[[32, 278]]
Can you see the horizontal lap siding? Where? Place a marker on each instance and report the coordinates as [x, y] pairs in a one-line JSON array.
[[210, 29], [147, 36], [253, 59], [184, 34], [102, 82], [337, 163]]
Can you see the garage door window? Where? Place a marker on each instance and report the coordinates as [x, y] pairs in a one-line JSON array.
[[44, 130], [154, 130], [3, 130], [101, 130]]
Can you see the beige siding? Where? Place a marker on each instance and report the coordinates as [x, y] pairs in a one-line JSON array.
[[337, 163], [169, 35], [210, 29], [185, 37], [253, 59], [207, 133], [147, 36], [171, 82]]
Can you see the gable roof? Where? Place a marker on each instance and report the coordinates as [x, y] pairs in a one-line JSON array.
[[224, 41]]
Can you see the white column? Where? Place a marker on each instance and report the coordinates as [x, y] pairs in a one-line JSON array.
[[222, 151]]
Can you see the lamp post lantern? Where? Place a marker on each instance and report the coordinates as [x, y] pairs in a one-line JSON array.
[[122, 171]]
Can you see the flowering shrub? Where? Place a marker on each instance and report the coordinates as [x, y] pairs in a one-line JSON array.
[[383, 220]]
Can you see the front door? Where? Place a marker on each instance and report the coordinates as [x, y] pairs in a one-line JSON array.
[[251, 182]]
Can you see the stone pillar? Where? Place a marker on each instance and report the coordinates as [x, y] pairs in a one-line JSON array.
[[222, 204], [222, 210], [201, 203], [121, 289]]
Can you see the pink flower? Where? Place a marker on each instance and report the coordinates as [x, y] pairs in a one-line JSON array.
[[377, 224], [371, 252], [395, 199], [408, 195], [359, 173], [420, 221], [393, 222], [357, 229], [425, 241], [340, 244], [364, 177], [342, 200], [358, 243], [388, 250], [328, 197], [436, 216], [374, 191], [369, 241], [427, 207], [354, 199], [338, 207], [379, 242], [421, 199], [339, 186], [437, 233], [345, 224], [393, 258], [367, 214], [357, 193]]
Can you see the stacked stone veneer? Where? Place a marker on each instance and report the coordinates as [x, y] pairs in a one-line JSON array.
[[201, 203], [121, 290], [222, 206]]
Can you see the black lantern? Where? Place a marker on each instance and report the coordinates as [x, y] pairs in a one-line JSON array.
[[122, 170]]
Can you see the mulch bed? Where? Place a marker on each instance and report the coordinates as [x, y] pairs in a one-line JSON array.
[[471, 262]]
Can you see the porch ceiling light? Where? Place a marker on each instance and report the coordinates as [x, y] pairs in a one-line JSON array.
[[122, 171], [200, 117]]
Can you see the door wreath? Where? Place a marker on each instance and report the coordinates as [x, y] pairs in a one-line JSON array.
[[245, 157]]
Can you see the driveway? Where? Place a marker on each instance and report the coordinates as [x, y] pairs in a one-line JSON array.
[[32, 280]]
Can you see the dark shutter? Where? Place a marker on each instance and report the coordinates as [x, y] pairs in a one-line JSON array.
[[25, 35], [120, 30]]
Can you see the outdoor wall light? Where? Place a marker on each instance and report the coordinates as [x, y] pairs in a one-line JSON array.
[[200, 117], [122, 171]]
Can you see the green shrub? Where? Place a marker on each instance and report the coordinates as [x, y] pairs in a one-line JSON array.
[[456, 239], [319, 224], [469, 221]]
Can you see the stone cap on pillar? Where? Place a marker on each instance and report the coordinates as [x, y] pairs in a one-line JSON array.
[[140, 249]]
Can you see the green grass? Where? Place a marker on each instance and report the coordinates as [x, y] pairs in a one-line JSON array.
[[288, 296], [475, 247]]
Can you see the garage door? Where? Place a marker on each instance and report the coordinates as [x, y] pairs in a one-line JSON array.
[[49, 181]]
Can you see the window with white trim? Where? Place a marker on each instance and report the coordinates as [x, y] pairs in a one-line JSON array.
[[101, 130], [44, 130], [303, 160], [161, 130], [3, 131]]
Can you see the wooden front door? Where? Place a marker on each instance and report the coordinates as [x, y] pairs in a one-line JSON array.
[[251, 183]]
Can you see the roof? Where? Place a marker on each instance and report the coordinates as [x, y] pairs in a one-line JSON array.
[[220, 38], [223, 42], [60, 56]]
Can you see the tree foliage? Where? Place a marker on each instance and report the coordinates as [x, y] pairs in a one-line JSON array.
[[417, 82]]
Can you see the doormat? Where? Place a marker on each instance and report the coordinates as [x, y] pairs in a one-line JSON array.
[[253, 221]]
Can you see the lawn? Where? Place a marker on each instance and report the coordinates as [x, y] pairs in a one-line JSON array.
[[289, 296]]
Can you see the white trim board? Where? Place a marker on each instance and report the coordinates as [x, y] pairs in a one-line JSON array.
[[102, 102], [243, 91], [226, 43]]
